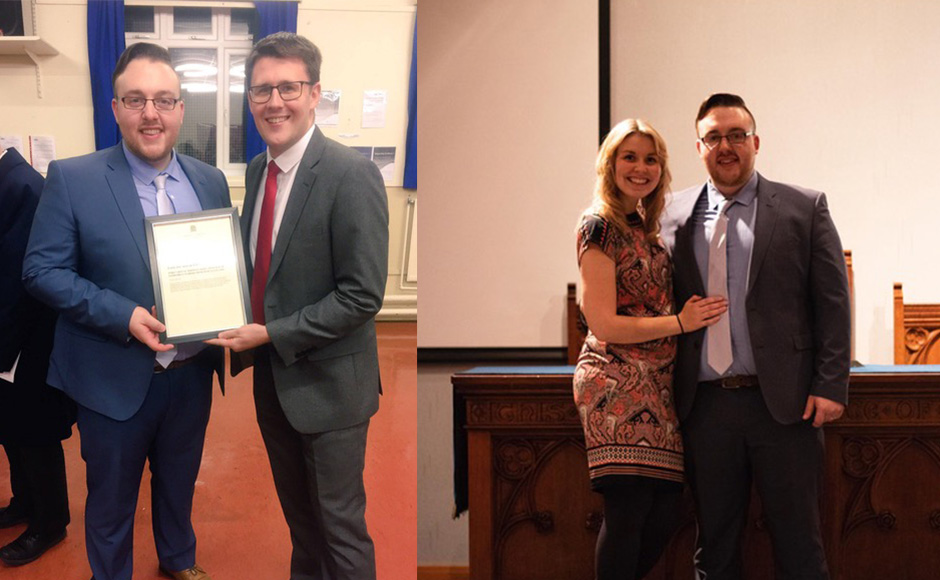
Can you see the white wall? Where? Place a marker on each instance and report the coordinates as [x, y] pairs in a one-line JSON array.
[[507, 138], [845, 102], [442, 540]]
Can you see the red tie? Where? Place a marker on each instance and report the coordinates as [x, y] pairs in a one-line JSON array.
[[263, 250]]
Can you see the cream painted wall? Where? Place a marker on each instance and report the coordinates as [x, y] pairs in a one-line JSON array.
[[64, 111], [366, 44]]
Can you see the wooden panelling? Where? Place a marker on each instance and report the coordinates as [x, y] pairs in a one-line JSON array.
[[533, 516]]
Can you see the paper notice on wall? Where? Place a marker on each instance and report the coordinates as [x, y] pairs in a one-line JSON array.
[[41, 152], [374, 104], [384, 159], [12, 142], [328, 108]]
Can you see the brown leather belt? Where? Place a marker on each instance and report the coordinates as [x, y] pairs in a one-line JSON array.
[[735, 382]]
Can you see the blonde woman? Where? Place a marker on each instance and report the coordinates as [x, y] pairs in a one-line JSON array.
[[623, 380]]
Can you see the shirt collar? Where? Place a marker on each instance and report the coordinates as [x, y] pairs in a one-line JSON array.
[[144, 172], [290, 158], [745, 196]]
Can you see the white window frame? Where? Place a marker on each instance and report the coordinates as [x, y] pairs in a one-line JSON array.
[[226, 45]]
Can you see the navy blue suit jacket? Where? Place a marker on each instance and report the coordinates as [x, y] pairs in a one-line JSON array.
[[20, 186], [87, 258]]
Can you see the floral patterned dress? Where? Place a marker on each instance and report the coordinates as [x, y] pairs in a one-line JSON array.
[[624, 391]]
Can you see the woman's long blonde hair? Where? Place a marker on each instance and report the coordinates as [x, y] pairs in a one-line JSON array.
[[609, 203]]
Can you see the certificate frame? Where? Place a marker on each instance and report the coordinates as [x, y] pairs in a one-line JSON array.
[[197, 264]]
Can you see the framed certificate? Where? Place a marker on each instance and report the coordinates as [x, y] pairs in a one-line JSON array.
[[199, 279]]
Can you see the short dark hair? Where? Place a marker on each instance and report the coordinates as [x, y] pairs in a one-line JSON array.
[[137, 51], [286, 45], [723, 100]]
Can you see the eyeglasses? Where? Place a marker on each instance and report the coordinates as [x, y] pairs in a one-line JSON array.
[[713, 140], [288, 91], [160, 103]]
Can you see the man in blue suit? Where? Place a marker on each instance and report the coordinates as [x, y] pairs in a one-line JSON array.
[[87, 258]]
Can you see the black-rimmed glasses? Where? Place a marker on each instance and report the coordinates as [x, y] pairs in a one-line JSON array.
[[160, 103], [713, 140], [261, 94]]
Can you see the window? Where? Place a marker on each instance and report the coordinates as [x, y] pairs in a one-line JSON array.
[[208, 47]]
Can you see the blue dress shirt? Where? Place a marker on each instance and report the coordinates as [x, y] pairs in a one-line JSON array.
[[184, 199], [741, 219]]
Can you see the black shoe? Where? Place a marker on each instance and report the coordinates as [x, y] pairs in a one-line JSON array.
[[28, 547], [11, 515]]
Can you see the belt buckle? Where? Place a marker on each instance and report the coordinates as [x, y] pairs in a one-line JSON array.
[[728, 384]]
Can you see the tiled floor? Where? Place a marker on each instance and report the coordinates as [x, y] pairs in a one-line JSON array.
[[239, 526]]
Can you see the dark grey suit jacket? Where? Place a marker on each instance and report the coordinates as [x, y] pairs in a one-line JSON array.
[[798, 308], [326, 284]]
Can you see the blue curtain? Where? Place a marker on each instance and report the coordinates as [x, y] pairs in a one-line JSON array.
[[411, 145], [105, 45], [272, 17]]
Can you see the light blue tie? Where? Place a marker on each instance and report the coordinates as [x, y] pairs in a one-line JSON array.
[[718, 336], [164, 207], [164, 203]]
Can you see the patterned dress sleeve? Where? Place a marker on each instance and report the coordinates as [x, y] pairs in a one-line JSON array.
[[595, 230]]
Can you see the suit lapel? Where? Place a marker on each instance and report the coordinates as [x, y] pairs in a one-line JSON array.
[[125, 196], [299, 194], [763, 228], [684, 259], [199, 183], [252, 184]]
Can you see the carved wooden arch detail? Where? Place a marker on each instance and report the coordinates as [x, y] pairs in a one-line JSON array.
[[866, 460], [519, 462]]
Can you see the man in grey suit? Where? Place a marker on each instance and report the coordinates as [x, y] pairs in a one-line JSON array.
[[316, 218], [752, 401]]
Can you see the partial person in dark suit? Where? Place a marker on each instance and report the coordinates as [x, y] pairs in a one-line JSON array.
[[138, 399], [753, 393], [316, 219], [34, 417]]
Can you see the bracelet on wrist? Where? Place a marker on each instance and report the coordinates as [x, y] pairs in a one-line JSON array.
[[681, 328]]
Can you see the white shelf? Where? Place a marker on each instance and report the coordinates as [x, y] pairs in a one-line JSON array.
[[29, 45]]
